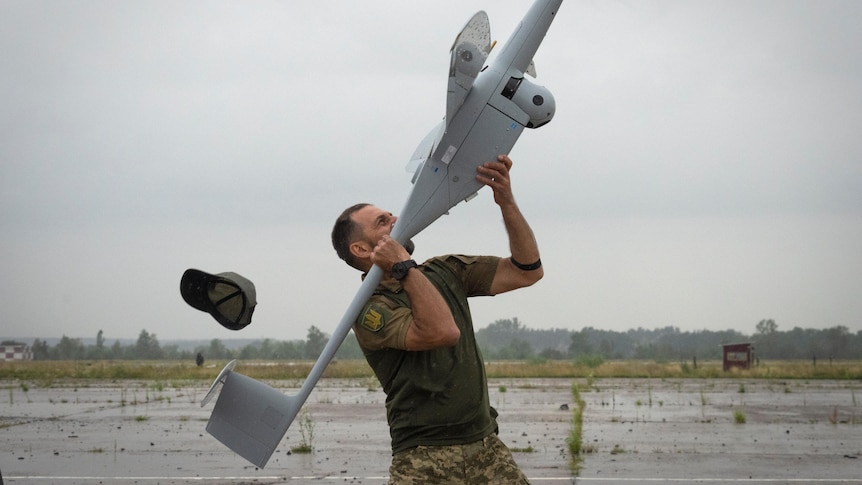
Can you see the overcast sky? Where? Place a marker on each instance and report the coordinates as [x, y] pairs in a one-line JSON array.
[[703, 170]]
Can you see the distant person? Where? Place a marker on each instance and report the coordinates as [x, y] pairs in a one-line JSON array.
[[416, 332], [199, 360]]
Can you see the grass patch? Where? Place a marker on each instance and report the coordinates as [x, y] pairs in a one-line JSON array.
[[590, 360], [52, 373], [302, 448], [575, 439], [739, 416]]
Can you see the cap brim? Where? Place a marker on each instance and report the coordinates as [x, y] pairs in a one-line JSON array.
[[193, 288]]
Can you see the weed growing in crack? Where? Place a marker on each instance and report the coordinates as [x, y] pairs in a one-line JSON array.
[[649, 391], [576, 434], [833, 418], [306, 431]]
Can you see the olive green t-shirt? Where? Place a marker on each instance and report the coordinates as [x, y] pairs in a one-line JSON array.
[[433, 397]]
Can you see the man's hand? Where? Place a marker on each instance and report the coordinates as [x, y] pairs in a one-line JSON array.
[[496, 176], [387, 252]]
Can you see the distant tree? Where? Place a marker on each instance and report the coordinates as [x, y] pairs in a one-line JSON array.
[[69, 349], [766, 327], [349, 348], [769, 340], [315, 342], [117, 351], [552, 354], [249, 352], [606, 348], [41, 350], [217, 350], [98, 351], [290, 350], [518, 349], [264, 349], [267, 349], [837, 340], [499, 335], [580, 344], [173, 352], [507, 325], [147, 347]]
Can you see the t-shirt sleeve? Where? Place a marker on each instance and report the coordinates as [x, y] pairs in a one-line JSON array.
[[476, 272], [383, 324]]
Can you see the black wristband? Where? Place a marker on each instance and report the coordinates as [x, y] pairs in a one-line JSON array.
[[526, 267]]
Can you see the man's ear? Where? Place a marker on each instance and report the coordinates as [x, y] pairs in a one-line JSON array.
[[360, 249]]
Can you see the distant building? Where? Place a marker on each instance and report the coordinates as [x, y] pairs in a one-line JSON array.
[[739, 355], [11, 352]]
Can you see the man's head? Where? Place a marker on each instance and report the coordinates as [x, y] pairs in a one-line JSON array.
[[357, 231], [346, 231]]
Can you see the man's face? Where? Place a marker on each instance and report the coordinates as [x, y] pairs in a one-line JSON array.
[[375, 223]]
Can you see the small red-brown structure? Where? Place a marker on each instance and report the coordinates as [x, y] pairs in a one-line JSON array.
[[15, 351], [738, 355]]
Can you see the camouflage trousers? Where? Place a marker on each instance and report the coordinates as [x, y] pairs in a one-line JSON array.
[[487, 461]]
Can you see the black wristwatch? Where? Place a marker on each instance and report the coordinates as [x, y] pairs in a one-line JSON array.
[[399, 270]]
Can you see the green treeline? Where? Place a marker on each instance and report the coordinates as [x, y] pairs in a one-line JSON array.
[[509, 339], [505, 339], [147, 347]]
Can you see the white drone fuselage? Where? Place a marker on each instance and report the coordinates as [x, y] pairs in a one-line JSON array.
[[484, 119]]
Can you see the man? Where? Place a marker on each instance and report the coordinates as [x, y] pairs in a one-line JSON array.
[[416, 332]]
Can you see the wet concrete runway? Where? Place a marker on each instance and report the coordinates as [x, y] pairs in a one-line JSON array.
[[635, 431], [687, 431]]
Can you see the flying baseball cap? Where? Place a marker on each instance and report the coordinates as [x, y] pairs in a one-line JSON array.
[[228, 297]]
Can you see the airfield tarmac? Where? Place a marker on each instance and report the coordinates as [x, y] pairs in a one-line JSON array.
[[676, 431]]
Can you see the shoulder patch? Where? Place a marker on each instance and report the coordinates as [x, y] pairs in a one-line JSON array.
[[373, 319]]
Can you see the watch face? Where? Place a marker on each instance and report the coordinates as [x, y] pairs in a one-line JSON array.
[[399, 270]]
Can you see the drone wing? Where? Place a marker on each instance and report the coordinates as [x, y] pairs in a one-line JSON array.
[[468, 55]]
